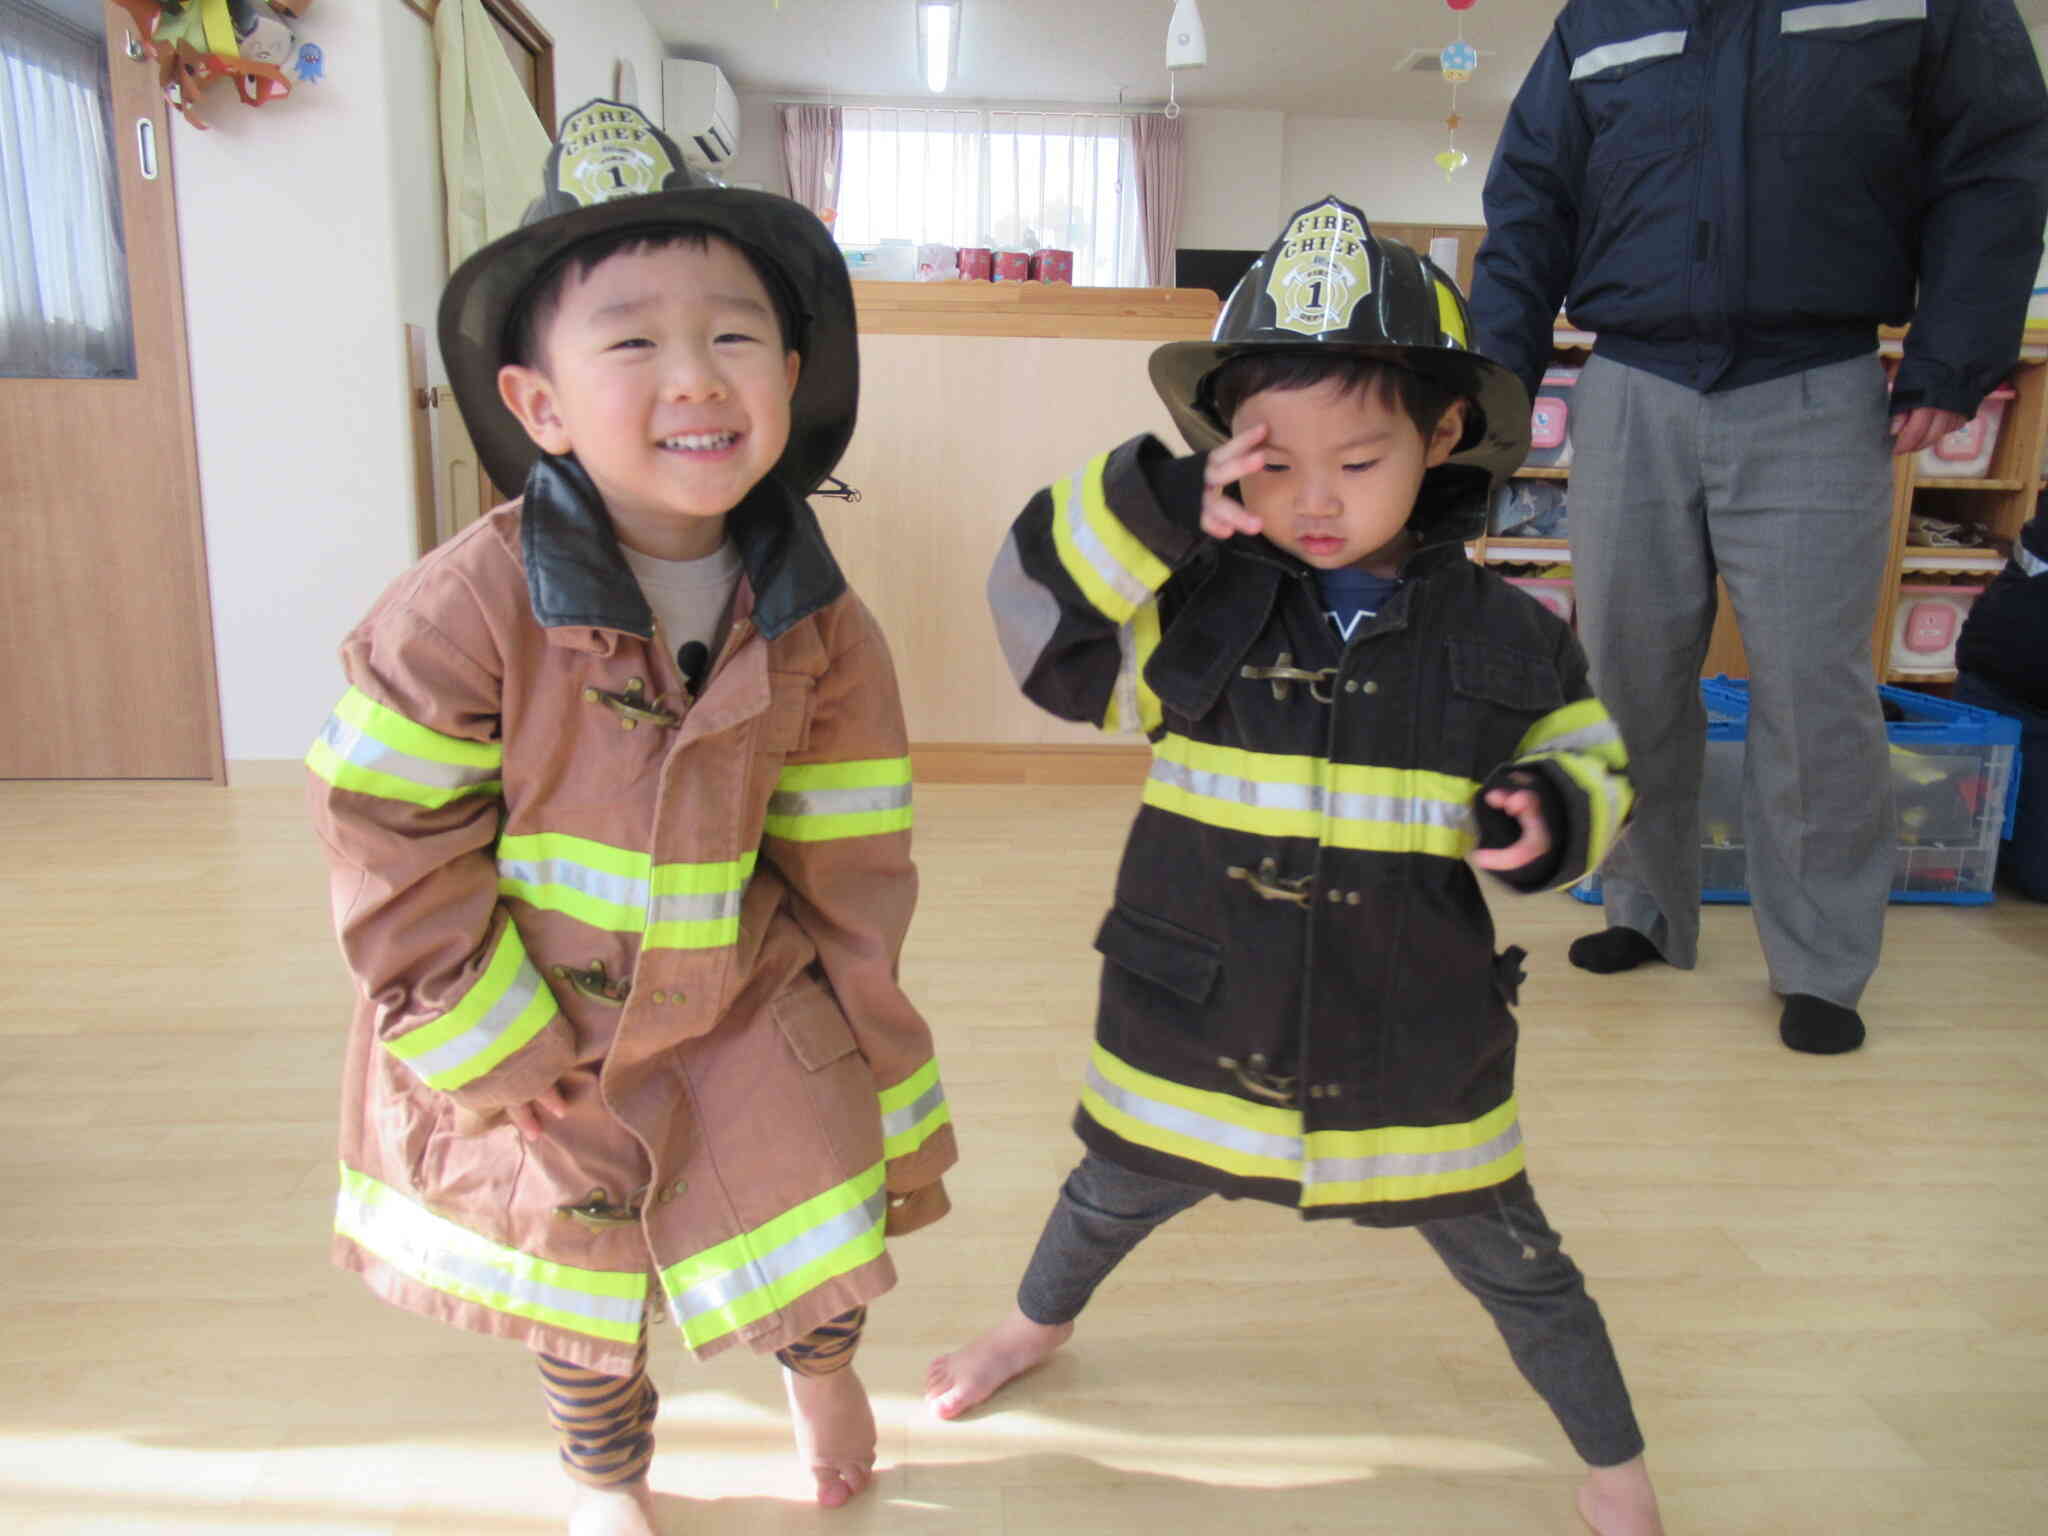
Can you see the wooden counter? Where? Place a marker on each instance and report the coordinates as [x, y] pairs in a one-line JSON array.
[[973, 396], [1056, 310]]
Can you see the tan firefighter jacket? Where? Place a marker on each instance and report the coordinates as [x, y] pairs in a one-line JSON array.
[[551, 864]]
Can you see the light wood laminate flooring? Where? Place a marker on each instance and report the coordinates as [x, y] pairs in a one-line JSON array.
[[1827, 1278]]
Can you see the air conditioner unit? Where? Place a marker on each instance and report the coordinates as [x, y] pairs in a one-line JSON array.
[[700, 112]]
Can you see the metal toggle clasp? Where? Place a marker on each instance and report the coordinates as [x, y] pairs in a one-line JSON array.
[[1254, 1078], [632, 705], [1284, 675], [1266, 882], [594, 983]]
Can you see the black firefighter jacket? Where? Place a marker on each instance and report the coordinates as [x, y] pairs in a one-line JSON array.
[[1301, 1001]]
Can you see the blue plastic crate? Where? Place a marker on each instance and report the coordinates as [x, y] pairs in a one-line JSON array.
[[1955, 780]]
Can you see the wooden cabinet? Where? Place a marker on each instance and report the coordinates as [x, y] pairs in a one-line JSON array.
[[1997, 503]]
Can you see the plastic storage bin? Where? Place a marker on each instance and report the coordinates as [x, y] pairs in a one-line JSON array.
[[1925, 623], [1955, 777], [1550, 421], [1965, 454]]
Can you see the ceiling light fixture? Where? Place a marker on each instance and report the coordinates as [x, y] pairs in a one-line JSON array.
[[938, 41]]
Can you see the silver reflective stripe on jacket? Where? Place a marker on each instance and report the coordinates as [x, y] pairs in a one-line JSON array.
[[1657, 45], [1851, 13]]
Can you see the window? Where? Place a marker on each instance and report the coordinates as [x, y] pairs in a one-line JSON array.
[[1001, 179], [63, 272]]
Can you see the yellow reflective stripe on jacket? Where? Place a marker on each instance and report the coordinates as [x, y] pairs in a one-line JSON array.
[[1413, 1162], [743, 1279], [1113, 569], [1133, 706], [371, 750], [433, 1251], [1346, 805], [1582, 726], [504, 1008], [817, 802], [912, 1110], [1586, 745], [1265, 1141], [676, 906]]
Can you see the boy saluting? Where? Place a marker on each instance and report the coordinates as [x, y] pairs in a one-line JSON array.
[[1301, 1001]]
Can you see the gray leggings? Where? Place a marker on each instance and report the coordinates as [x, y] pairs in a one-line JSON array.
[[1508, 1257]]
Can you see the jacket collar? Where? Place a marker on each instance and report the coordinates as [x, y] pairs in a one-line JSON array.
[[577, 578]]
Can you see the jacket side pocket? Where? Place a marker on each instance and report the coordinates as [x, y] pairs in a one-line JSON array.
[[811, 1021], [1165, 954]]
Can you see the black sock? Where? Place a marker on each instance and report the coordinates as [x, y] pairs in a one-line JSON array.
[[1611, 950], [1818, 1026]]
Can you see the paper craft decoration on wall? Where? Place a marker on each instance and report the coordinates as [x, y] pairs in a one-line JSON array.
[[196, 42]]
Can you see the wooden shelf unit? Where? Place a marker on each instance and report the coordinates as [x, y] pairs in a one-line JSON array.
[[1999, 503]]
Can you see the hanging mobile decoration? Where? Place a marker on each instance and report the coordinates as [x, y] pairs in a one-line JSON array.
[[196, 42], [1457, 61], [1187, 47]]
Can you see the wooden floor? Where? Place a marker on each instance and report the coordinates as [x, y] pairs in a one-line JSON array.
[[1828, 1279]]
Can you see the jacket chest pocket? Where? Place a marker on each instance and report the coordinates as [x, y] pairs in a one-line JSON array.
[[1638, 94], [1849, 71], [1497, 693]]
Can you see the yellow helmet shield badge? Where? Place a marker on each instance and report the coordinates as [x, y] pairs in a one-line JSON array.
[[610, 151], [1325, 268]]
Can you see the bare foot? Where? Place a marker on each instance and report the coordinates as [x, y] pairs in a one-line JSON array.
[[627, 1510], [1619, 1501], [835, 1432], [955, 1383]]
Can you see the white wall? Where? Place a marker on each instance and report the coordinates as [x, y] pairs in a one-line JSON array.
[[1387, 167], [1234, 194], [311, 231]]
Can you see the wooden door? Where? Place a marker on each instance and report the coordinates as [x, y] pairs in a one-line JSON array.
[[106, 630]]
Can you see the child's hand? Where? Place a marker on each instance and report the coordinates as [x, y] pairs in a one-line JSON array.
[[1223, 516], [527, 1116], [1526, 806]]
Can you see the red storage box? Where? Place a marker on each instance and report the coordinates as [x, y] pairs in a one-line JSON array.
[[1013, 266], [1550, 421], [1052, 266], [977, 263]]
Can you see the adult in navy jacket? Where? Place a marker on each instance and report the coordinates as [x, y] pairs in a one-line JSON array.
[[1734, 195]]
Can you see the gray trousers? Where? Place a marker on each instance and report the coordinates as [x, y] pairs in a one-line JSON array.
[[1784, 490], [1507, 1257]]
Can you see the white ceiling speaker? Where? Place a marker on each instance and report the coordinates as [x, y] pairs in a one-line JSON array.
[[1187, 45]]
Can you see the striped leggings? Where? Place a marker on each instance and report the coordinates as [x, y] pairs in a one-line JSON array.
[[606, 1423]]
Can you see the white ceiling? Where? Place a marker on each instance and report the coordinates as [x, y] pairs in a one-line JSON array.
[[1328, 57]]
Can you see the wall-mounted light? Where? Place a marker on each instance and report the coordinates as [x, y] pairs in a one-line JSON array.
[[938, 41]]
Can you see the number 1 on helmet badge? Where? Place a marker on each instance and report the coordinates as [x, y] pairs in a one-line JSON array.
[[1325, 268]]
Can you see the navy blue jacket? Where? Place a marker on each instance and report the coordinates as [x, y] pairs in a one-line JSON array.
[[1729, 191]]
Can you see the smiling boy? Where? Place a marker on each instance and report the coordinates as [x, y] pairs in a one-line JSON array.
[[617, 807], [1301, 1002]]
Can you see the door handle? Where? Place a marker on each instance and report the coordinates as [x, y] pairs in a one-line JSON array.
[[145, 147]]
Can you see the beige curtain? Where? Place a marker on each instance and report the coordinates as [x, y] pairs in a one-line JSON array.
[[492, 141], [1161, 142], [810, 156]]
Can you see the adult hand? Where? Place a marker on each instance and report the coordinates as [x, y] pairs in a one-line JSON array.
[[1923, 425], [1223, 516], [1526, 806]]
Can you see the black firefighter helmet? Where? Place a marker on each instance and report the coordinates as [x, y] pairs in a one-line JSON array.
[[1329, 284], [611, 170]]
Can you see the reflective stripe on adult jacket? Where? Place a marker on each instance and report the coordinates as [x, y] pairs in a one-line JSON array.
[[1301, 1000], [553, 864]]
